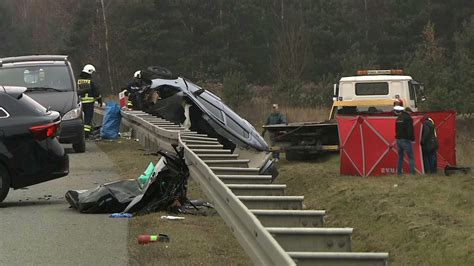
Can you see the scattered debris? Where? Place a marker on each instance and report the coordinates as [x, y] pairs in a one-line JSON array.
[[143, 179], [126, 135], [146, 239], [199, 204], [170, 217], [450, 170], [121, 215], [198, 207]]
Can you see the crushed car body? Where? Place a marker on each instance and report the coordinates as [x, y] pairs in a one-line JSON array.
[[200, 110], [182, 102], [165, 191]]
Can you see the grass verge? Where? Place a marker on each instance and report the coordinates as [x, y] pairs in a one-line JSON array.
[[419, 220], [197, 240]]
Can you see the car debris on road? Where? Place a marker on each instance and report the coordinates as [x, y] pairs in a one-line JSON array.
[[165, 191]]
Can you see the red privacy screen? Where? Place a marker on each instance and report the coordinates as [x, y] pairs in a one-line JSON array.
[[368, 146]]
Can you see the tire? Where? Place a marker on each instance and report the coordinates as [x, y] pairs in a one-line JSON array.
[[80, 147], [5, 182], [160, 72]]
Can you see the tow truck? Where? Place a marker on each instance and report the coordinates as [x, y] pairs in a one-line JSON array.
[[370, 91]]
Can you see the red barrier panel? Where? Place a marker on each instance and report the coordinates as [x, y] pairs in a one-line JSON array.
[[368, 145]]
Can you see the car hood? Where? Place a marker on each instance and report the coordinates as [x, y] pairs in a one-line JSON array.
[[58, 101], [250, 140]]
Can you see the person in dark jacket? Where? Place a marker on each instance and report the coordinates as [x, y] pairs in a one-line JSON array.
[[136, 89], [89, 92], [429, 146], [405, 136], [273, 119]]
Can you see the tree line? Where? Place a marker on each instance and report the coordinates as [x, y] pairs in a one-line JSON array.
[[287, 44]]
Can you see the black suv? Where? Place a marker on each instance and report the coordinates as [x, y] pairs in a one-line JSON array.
[[49, 80]]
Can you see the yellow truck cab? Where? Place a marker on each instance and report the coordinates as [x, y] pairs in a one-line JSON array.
[[373, 91]]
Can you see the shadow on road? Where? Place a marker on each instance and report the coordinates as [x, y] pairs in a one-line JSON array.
[[69, 150], [29, 203]]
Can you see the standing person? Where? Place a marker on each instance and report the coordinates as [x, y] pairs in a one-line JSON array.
[[274, 118], [429, 146], [136, 89], [398, 100], [405, 136], [89, 92]]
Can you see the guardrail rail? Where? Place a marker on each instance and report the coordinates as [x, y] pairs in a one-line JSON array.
[[272, 227]]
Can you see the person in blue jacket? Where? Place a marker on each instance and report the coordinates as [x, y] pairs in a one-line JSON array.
[[273, 119]]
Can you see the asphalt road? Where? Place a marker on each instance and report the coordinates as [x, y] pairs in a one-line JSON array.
[[37, 227]]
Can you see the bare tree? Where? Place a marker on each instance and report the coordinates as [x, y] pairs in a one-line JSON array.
[[292, 48], [106, 31]]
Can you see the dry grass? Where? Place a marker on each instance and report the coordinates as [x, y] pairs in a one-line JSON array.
[[422, 220], [465, 142], [197, 240]]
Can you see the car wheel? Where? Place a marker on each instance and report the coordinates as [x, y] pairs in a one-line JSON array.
[[160, 72], [80, 147], [4, 182]]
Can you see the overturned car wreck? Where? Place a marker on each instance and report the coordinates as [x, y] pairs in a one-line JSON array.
[[183, 102], [180, 101]]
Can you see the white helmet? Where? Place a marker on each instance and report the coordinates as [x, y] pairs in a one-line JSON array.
[[137, 74], [89, 69]]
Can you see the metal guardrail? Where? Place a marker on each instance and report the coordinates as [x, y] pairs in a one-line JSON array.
[[272, 228]]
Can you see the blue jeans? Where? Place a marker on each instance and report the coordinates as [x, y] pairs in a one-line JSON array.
[[430, 162], [404, 145]]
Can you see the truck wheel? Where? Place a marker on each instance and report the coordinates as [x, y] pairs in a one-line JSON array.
[[4, 182], [80, 146]]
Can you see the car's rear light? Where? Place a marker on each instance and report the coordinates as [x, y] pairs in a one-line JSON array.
[[42, 132]]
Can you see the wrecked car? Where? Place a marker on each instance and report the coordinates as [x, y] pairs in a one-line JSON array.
[[165, 190], [185, 103]]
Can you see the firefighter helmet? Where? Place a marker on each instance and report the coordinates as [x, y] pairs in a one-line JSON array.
[[89, 69], [137, 74]]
